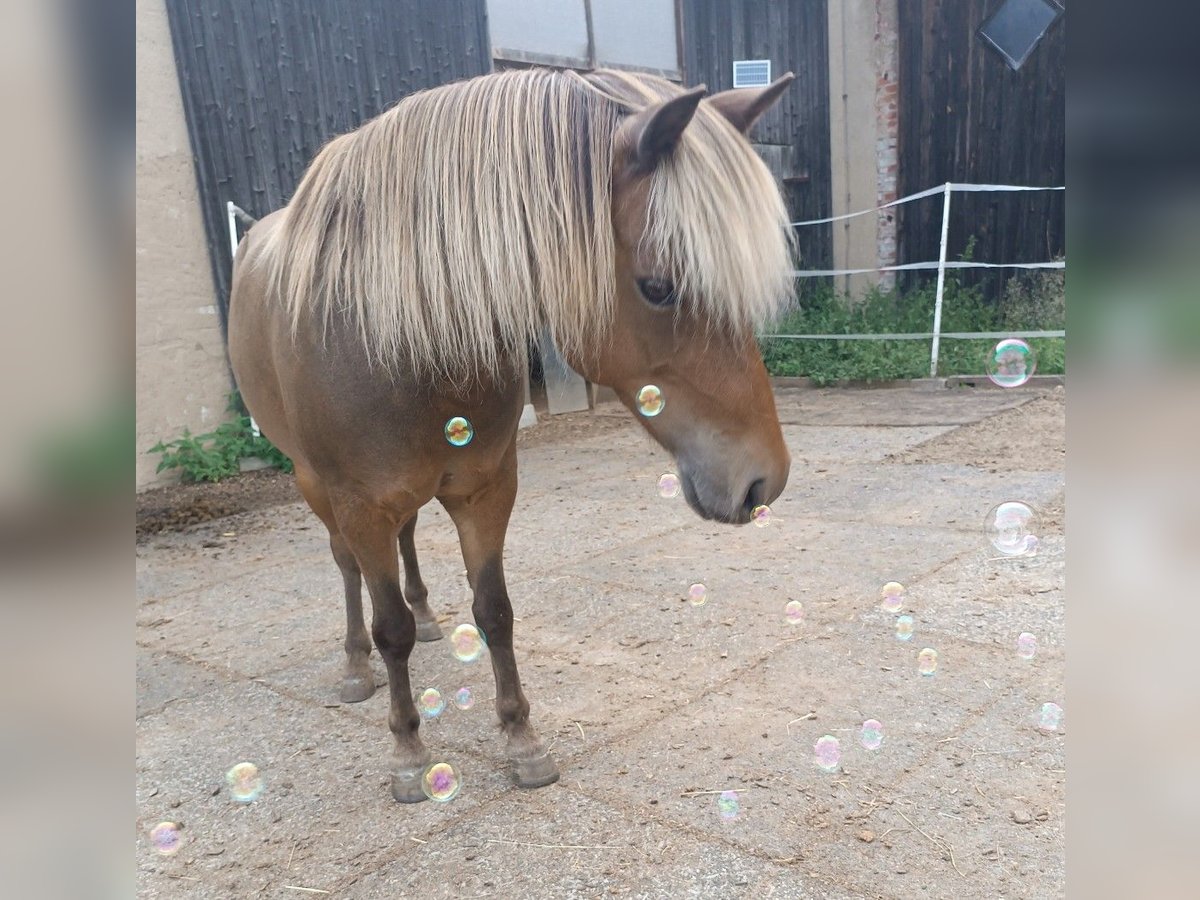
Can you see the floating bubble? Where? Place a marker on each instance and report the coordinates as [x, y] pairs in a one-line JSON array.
[[1026, 645], [904, 628], [728, 806], [761, 516], [650, 401], [927, 661], [892, 595], [245, 782], [872, 734], [1051, 717], [828, 753], [459, 431], [165, 838], [463, 698], [794, 612], [668, 485], [1010, 526], [698, 594], [430, 704], [1011, 363], [466, 642], [440, 782]]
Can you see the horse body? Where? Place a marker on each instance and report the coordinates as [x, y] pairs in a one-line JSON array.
[[356, 384]]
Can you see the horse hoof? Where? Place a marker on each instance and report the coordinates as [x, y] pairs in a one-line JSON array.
[[536, 772], [357, 689], [406, 786], [428, 631]]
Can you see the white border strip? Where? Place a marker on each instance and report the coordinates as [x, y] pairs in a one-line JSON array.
[[931, 192], [910, 267], [918, 336]]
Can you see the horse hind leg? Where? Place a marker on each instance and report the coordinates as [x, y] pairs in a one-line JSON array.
[[358, 683], [415, 591]]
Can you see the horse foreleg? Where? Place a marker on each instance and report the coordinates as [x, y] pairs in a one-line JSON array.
[[414, 588], [482, 520], [358, 683], [372, 536]]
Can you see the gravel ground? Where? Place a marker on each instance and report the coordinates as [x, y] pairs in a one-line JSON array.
[[653, 706]]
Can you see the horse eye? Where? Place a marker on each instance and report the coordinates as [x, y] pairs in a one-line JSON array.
[[657, 291]]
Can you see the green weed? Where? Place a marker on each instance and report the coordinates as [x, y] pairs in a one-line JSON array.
[[215, 455]]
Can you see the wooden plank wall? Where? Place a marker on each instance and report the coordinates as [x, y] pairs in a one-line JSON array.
[[794, 136], [965, 116], [265, 84]]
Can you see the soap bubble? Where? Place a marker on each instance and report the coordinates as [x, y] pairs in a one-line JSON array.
[[761, 516], [459, 432], [892, 595], [698, 594], [463, 698], [668, 485], [728, 806], [1026, 645], [1010, 526], [165, 838], [650, 401], [872, 734], [828, 753], [927, 661], [430, 704], [1011, 363], [466, 642], [794, 612], [245, 782], [1051, 717], [904, 628], [440, 782]]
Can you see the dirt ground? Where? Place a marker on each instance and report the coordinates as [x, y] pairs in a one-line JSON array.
[[652, 706]]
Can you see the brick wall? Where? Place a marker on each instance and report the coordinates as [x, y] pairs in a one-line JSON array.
[[887, 131]]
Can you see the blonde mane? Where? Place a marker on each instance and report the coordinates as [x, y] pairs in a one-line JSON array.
[[467, 219]]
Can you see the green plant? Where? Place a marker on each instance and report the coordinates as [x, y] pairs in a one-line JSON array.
[[216, 455], [1032, 303]]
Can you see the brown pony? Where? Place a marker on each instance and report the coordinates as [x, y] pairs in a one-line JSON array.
[[421, 253]]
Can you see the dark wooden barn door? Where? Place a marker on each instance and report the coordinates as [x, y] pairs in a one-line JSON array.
[[794, 136], [967, 116], [265, 84]]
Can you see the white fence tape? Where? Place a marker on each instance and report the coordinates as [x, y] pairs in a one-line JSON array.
[[917, 336], [941, 265]]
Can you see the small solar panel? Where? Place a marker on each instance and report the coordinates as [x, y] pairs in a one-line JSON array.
[[751, 72], [1016, 26]]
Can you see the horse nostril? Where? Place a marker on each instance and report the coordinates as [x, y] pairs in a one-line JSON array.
[[754, 496]]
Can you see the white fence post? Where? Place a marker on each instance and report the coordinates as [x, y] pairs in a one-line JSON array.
[[231, 218], [941, 283]]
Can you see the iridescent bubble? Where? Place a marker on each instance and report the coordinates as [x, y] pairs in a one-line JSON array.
[[1011, 363], [466, 642], [440, 782], [828, 753], [650, 401], [904, 628], [430, 704], [698, 594], [892, 595], [872, 734], [1011, 527], [927, 661], [728, 806], [463, 698], [761, 516], [1026, 645], [1051, 717], [245, 782], [794, 612], [165, 838], [668, 485], [459, 431]]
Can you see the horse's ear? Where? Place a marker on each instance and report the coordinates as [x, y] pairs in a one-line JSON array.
[[656, 130], [743, 106]]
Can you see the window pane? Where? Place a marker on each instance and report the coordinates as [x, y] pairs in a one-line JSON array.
[[1015, 28], [635, 33], [546, 27]]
